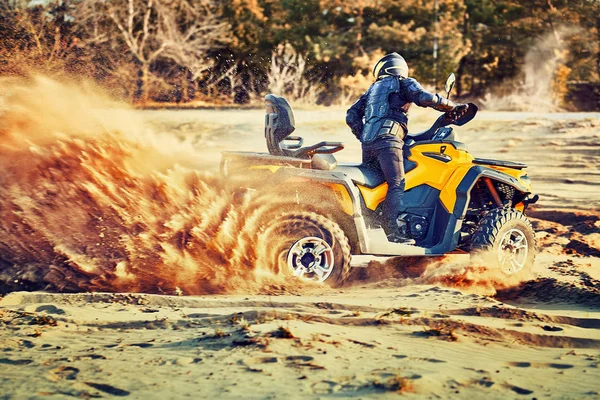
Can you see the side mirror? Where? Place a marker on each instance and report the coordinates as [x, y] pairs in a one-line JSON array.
[[449, 84]]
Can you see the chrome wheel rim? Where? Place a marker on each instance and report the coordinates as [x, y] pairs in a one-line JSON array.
[[311, 258], [513, 251]]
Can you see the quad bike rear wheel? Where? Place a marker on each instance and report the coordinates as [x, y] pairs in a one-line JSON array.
[[507, 238], [309, 246]]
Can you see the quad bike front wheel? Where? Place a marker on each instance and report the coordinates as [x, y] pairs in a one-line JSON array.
[[506, 238], [308, 246]]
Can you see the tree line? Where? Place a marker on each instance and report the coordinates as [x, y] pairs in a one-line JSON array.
[[316, 51]]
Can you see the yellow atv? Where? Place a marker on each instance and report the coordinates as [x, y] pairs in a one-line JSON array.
[[452, 203]]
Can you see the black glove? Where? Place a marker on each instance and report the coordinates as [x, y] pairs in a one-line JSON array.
[[458, 112]]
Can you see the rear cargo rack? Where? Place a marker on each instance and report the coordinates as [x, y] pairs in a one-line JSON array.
[[236, 160]]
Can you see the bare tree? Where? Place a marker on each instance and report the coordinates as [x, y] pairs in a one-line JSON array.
[[138, 32], [287, 76], [183, 31], [191, 32], [90, 19], [203, 31], [35, 36]]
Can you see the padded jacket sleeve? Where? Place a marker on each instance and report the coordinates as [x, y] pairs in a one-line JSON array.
[[415, 93], [355, 114]]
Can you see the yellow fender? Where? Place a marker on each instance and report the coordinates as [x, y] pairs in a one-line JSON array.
[[440, 175]]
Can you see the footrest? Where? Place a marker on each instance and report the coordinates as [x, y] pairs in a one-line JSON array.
[[380, 245]]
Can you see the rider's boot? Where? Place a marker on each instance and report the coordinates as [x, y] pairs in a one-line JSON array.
[[396, 237], [400, 234]]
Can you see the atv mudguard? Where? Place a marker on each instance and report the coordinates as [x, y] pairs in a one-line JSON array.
[[451, 235]]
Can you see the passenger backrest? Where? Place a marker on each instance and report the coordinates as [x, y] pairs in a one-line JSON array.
[[279, 123]]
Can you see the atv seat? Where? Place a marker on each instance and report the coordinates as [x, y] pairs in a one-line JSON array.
[[361, 174]]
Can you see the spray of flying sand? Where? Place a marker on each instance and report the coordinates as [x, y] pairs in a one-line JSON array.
[[91, 200]]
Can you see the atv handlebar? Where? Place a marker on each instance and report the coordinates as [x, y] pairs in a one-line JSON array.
[[445, 120], [449, 118]]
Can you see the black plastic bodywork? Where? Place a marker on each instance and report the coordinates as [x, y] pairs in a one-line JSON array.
[[443, 121], [279, 124]]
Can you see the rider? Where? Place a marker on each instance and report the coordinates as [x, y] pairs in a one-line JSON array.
[[379, 120]]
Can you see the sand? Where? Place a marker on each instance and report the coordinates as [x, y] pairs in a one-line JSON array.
[[364, 342], [415, 327]]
